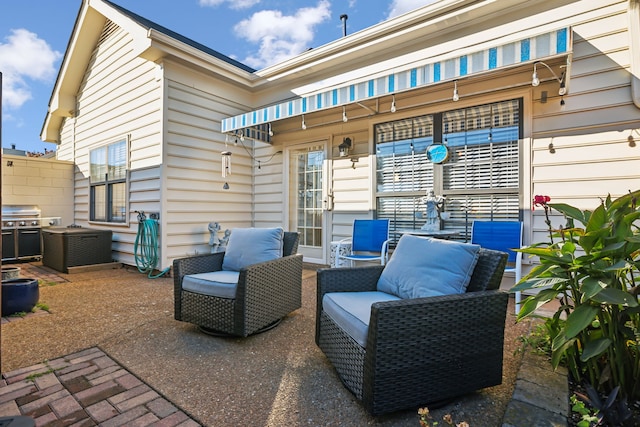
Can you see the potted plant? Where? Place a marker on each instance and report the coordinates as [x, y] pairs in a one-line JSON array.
[[592, 265]]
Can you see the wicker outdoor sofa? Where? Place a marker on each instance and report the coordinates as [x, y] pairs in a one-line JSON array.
[[418, 351], [266, 292]]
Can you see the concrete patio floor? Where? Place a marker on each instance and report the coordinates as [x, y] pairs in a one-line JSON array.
[[276, 378]]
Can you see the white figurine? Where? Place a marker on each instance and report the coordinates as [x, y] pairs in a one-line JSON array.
[[435, 205], [214, 240]]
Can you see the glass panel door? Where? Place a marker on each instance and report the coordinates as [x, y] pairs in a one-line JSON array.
[[307, 194]]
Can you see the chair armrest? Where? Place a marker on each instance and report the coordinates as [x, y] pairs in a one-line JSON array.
[[453, 343], [197, 264], [384, 253], [256, 280], [269, 290], [192, 265], [439, 326], [354, 279]]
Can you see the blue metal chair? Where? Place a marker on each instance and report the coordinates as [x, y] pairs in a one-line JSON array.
[[502, 236], [369, 242]]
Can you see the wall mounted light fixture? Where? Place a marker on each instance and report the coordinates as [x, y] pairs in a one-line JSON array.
[[344, 148], [535, 81]]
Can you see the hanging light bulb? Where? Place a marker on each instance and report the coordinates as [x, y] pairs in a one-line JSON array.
[[563, 89], [241, 136], [304, 125], [393, 104], [345, 119], [270, 130], [535, 81], [455, 91]]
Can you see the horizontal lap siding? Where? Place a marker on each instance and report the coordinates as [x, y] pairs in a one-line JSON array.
[[119, 97], [195, 106], [581, 154], [269, 189]]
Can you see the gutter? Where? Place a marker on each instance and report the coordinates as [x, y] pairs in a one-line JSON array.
[[634, 49]]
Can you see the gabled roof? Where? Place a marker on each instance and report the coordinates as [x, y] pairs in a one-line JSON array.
[[153, 42], [164, 30]]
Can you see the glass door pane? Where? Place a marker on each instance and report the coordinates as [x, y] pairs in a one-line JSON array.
[[306, 195]]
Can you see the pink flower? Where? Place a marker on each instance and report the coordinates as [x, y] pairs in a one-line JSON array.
[[540, 201]]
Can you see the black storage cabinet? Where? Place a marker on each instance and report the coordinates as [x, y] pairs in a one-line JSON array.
[[72, 247]]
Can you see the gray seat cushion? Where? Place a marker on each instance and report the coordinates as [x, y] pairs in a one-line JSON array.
[[352, 311], [220, 284]]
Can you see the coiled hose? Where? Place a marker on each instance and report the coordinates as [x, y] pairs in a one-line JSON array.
[[145, 246]]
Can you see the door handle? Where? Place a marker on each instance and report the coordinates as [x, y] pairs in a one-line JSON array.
[[328, 201]]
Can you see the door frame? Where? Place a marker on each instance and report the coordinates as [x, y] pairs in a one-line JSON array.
[[327, 201]]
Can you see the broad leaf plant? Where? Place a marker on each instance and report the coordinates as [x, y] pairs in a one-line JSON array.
[[592, 265]]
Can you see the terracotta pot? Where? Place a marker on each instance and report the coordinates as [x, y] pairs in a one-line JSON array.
[[19, 295]]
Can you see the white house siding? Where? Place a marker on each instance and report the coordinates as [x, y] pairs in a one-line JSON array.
[[120, 97], [592, 155], [268, 186], [583, 153], [192, 168]]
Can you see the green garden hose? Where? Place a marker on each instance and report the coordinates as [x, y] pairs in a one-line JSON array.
[[145, 246]]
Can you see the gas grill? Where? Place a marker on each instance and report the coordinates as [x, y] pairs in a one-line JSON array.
[[22, 231]]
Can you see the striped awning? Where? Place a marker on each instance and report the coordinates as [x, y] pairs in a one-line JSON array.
[[255, 124]]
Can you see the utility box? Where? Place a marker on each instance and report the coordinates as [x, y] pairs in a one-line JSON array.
[[72, 247]]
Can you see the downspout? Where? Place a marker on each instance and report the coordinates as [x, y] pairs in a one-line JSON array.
[[634, 49]]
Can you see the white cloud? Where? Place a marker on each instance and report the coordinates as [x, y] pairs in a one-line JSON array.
[[24, 57], [233, 4], [281, 36], [398, 7]]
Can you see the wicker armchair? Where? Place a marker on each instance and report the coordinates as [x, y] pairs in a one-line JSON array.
[[418, 351], [266, 292]]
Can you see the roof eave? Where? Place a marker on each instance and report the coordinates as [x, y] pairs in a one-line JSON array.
[[162, 46]]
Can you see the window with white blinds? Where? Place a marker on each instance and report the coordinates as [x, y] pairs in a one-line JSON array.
[[107, 181], [480, 179]]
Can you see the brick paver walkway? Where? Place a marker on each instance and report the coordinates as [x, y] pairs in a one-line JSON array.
[[86, 389]]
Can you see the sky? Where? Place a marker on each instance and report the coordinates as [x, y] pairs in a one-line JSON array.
[[34, 35]]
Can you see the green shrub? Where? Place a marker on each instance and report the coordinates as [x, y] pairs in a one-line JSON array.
[[593, 266]]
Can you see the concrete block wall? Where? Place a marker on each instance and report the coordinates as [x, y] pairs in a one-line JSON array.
[[44, 182]]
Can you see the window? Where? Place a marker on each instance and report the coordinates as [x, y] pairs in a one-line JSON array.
[[480, 179], [108, 180]]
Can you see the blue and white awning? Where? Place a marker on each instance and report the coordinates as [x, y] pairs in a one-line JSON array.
[[254, 124]]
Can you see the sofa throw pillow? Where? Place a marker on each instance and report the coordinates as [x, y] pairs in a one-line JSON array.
[[423, 267], [249, 246]]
